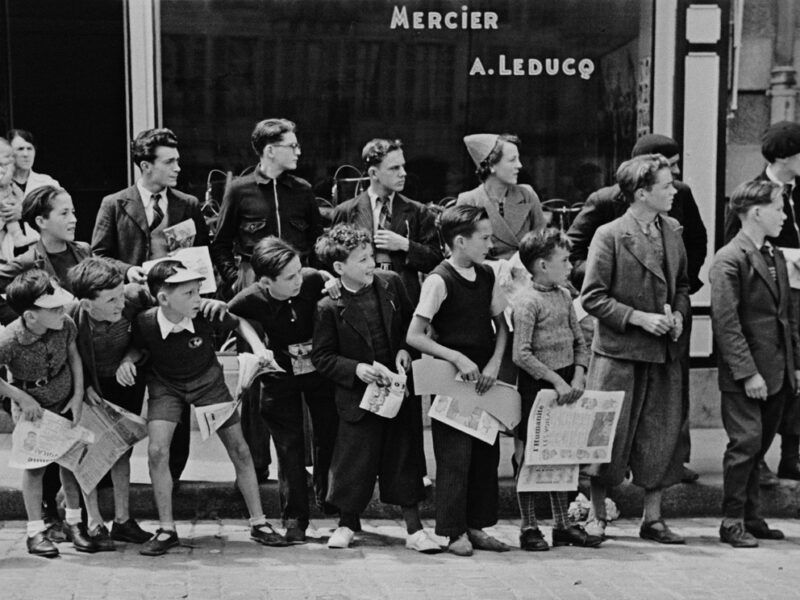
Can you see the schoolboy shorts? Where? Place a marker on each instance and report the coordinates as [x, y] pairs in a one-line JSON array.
[[166, 399]]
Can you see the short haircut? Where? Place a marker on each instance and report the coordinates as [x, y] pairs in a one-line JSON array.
[[144, 147], [270, 256], [26, 288], [93, 275], [781, 140], [541, 244], [22, 133], [39, 203], [269, 131], [753, 193], [461, 219], [160, 272], [485, 168], [338, 242], [640, 172], [376, 150]]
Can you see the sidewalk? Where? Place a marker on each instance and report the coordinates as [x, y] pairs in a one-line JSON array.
[[207, 488]]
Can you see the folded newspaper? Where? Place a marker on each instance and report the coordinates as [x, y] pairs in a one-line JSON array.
[[385, 400], [210, 418], [36, 444]]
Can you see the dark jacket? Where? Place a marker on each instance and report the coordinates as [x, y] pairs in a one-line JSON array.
[[608, 203], [36, 258], [789, 236], [248, 214], [410, 219], [617, 257], [753, 318], [121, 231], [342, 340]]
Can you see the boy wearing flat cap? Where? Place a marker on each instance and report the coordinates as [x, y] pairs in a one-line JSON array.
[[780, 146]]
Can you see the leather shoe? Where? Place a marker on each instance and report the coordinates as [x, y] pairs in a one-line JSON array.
[[265, 534], [161, 541], [789, 470], [575, 535], [766, 478], [759, 529], [55, 531], [39, 545], [295, 535], [483, 541], [662, 535], [736, 535], [79, 537], [102, 539], [129, 531], [460, 546], [532, 540]]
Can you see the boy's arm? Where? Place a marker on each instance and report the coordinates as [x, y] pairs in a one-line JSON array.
[[417, 338], [31, 409], [522, 347], [75, 403], [249, 335]]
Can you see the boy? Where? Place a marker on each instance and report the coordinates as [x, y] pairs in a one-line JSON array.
[[39, 350], [103, 316], [184, 369], [282, 302], [460, 300], [755, 327], [366, 325], [551, 354]]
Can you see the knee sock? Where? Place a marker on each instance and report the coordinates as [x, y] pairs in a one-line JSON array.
[[527, 510], [258, 521], [559, 501], [72, 516]]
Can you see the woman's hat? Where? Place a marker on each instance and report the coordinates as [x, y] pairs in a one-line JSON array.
[[480, 145]]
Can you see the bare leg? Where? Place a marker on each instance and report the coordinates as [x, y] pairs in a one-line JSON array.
[[72, 491], [239, 453], [32, 492], [160, 434], [121, 477]]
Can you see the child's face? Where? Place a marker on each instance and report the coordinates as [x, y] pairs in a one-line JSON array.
[[107, 305], [183, 298], [477, 246], [770, 216], [555, 269], [60, 223], [357, 270], [47, 318], [288, 282]]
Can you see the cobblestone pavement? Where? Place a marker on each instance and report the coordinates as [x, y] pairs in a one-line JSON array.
[[219, 562]]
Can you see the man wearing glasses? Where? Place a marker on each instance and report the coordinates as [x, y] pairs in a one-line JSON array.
[[268, 201]]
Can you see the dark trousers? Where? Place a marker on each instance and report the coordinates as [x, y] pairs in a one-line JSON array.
[[466, 481], [282, 411], [376, 448], [255, 430], [751, 426]]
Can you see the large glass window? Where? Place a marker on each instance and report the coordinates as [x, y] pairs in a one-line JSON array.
[[567, 76]]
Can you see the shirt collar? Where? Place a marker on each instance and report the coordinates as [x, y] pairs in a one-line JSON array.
[[764, 244], [166, 326], [146, 195], [373, 199], [24, 336]]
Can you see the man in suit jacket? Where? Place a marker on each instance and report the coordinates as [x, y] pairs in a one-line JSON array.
[[755, 329], [130, 229], [781, 149], [636, 347], [404, 231]]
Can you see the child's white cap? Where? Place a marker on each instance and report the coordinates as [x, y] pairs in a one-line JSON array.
[[184, 276], [59, 297]]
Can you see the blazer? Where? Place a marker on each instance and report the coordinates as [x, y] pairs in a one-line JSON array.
[[619, 280], [522, 213], [753, 318], [121, 230], [410, 219], [342, 340], [789, 236], [608, 203], [36, 258]]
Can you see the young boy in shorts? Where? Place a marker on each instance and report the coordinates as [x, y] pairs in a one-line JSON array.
[[183, 368], [367, 324], [460, 300], [40, 352]]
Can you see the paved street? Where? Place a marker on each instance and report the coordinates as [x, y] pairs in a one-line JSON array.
[[219, 562]]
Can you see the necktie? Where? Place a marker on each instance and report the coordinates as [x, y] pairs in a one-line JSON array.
[[383, 217], [769, 258], [158, 214]]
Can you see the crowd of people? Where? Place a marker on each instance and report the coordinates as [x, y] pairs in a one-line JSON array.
[[486, 285]]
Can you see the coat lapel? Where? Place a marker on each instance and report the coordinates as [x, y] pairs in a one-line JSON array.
[[633, 238], [132, 205], [354, 318], [672, 240], [386, 300], [362, 213], [758, 263], [401, 219], [500, 227], [175, 209]]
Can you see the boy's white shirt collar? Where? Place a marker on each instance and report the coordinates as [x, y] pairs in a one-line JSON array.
[[166, 326]]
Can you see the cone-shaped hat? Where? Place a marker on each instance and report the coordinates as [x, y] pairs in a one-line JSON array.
[[479, 145]]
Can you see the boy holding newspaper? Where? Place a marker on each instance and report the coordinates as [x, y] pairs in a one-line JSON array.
[[550, 351]]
